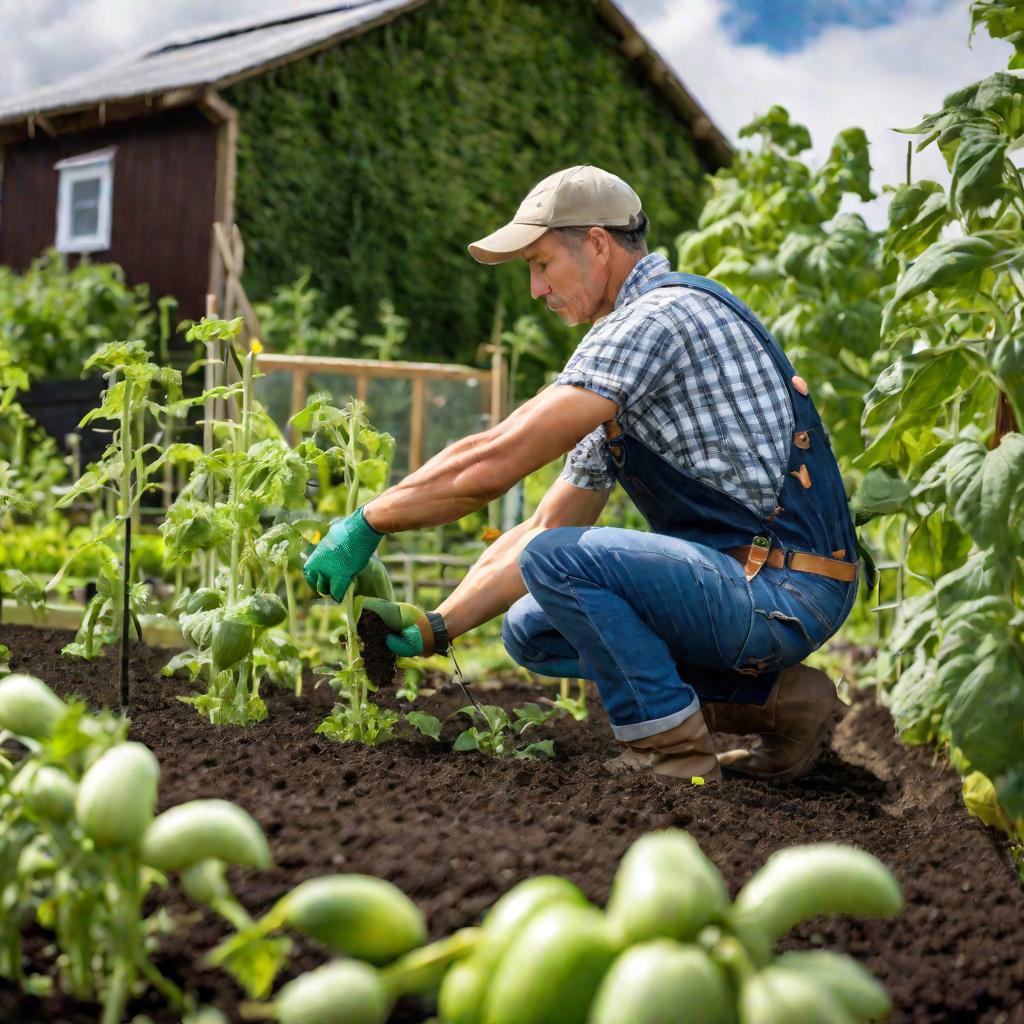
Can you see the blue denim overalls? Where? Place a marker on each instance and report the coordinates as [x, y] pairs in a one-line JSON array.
[[664, 620]]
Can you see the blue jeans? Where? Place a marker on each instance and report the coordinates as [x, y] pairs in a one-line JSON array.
[[661, 623]]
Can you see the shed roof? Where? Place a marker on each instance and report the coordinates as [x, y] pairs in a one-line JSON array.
[[185, 64]]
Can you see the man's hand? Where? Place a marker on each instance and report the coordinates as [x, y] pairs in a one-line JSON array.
[[341, 555], [411, 634]]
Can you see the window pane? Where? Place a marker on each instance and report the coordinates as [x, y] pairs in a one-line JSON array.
[[85, 207]]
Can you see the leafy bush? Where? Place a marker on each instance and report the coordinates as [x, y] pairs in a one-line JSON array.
[[296, 319], [52, 317], [409, 142], [944, 446]]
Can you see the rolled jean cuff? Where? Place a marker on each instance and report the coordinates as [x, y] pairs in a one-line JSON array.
[[641, 730]]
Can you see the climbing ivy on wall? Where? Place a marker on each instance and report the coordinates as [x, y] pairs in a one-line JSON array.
[[376, 163]]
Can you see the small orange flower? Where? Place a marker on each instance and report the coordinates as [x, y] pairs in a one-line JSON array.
[[490, 533], [255, 346], [316, 537]]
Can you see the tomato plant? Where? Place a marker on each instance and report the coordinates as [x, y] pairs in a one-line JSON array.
[[124, 469]]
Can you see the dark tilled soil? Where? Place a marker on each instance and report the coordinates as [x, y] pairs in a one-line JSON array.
[[378, 658], [455, 831]]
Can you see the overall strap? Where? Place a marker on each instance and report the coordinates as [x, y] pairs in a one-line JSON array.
[[803, 407]]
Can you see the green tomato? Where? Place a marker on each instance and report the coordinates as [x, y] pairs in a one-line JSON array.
[[203, 829], [117, 795], [365, 917]]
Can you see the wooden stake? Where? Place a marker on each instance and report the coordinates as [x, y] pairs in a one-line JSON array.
[[416, 425]]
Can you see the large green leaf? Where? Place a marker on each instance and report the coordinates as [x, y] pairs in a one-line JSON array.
[[936, 545], [985, 718], [917, 214], [1008, 363], [913, 701], [910, 395], [848, 167], [978, 166], [881, 492], [986, 495], [941, 264], [980, 576]]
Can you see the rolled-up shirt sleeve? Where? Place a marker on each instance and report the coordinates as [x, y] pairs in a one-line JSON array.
[[585, 465]]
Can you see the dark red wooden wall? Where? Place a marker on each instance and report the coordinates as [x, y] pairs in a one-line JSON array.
[[163, 206]]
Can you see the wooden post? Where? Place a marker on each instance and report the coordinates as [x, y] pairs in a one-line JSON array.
[[362, 386], [209, 381], [497, 386], [300, 387], [416, 425]]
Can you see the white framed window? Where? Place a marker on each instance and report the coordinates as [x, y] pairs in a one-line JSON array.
[[85, 195]]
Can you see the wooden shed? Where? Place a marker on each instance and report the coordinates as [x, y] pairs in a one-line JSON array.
[[134, 161]]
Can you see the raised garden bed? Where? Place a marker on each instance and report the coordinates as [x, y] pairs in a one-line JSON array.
[[455, 831]]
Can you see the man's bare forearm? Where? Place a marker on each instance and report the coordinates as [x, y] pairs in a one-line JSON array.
[[476, 470], [495, 582], [492, 585]]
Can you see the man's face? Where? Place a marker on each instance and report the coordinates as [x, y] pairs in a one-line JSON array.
[[570, 281]]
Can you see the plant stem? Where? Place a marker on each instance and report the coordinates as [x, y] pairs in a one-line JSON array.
[[125, 614], [357, 697], [127, 512]]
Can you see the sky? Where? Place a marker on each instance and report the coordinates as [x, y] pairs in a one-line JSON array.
[[877, 64]]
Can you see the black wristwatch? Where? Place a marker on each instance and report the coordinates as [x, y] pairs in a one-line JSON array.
[[442, 642]]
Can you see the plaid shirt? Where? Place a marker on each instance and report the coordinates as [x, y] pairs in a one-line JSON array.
[[692, 382]]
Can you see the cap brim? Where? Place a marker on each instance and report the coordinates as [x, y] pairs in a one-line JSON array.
[[506, 243]]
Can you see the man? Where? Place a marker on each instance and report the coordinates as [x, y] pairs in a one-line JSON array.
[[678, 393]]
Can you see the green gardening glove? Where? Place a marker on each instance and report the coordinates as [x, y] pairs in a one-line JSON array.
[[404, 620], [341, 555]]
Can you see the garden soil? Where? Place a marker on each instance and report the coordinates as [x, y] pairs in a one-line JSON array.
[[378, 659], [455, 831]]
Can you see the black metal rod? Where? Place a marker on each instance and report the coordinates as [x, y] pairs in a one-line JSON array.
[[126, 613]]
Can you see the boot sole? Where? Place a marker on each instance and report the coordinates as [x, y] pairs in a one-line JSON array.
[[811, 756]]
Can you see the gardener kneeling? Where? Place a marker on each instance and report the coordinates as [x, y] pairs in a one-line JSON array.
[[682, 396]]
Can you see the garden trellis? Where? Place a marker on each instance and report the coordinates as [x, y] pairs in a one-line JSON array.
[[427, 390]]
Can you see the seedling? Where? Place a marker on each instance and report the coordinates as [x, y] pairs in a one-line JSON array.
[[496, 733]]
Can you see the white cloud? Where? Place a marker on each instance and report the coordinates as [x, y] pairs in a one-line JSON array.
[[878, 79]]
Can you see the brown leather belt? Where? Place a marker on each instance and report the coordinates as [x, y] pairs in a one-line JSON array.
[[802, 561]]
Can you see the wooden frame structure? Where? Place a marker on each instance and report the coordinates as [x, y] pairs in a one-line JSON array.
[[227, 295], [490, 384]]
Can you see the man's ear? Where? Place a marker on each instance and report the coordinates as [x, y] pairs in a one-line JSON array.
[[602, 243]]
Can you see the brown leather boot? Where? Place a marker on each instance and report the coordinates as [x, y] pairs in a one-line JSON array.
[[684, 751], [795, 725]]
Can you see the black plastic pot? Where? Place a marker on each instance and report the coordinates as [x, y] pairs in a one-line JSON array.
[[58, 406]]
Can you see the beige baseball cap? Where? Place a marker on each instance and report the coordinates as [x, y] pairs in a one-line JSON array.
[[575, 197]]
